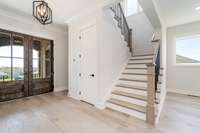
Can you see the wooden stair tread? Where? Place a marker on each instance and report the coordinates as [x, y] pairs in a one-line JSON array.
[[131, 87], [148, 58], [144, 63], [129, 73], [135, 80], [130, 95], [143, 55], [128, 105], [137, 68]]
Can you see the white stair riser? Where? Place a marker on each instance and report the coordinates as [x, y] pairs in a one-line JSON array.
[[130, 112], [159, 86], [160, 78], [141, 57], [140, 61], [136, 77], [131, 91], [133, 83], [161, 72], [130, 100], [136, 66], [143, 71]]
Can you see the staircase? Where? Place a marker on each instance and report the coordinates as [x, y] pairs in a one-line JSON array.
[[129, 95], [138, 89]]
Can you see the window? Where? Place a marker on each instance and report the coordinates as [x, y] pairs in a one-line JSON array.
[[11, 58], [188, 50], [132, 7]]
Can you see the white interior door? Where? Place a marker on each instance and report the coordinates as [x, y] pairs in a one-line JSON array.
[[88, 64]]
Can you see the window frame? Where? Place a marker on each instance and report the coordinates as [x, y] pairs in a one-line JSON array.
[[125, 7], [175, 47]]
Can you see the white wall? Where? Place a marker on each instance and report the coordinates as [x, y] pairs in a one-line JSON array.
[[142, 33], [112, 52], [20, 24], [181, 79], [150, 11]]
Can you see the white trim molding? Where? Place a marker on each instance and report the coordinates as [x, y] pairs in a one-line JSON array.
[[193, 92]]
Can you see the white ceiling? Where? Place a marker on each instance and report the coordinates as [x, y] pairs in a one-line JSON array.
[[62, 9], [178, 12]]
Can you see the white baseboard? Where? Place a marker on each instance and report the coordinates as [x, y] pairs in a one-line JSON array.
[[100, 105], [74, 96], [57, 89], [160, 106], [193, 92]]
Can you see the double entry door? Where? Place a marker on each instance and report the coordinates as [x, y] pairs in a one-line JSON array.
[[26, 65]]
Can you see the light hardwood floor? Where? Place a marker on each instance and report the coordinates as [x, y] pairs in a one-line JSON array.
[[56, 113]]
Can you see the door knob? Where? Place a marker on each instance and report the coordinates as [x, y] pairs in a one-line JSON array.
[[92, 75]]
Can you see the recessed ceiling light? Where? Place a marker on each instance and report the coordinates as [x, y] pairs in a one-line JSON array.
[[197, 8]]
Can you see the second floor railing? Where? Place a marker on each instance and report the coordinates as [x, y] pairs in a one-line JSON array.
[[122, 24]]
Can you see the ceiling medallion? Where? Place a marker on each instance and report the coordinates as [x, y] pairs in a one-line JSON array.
[[42, 12]]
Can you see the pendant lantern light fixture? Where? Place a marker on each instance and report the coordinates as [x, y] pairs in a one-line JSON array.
[[42, 12]]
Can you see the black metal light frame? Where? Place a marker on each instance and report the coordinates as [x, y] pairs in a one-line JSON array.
[[45, 19]]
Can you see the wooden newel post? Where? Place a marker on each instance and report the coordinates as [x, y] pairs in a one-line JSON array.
[[150, 115]]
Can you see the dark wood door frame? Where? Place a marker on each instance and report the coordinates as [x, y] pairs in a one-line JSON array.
[[8, 89]]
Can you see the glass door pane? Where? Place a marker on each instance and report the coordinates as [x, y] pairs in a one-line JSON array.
[[5, 57], [5, 69], [12, 83], [5, 46], [41, 60], [18, 58], [41, 66]]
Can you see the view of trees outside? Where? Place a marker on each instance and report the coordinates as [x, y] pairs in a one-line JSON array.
[[188, 50], [17, 61], [12, 58]]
